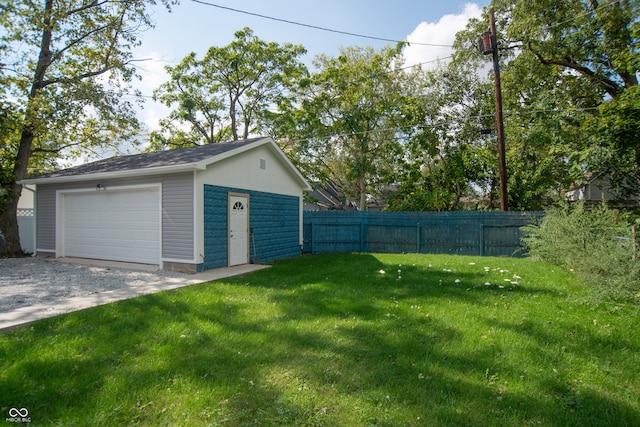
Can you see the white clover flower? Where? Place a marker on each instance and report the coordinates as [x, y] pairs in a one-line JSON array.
[[457, 280], [382, 272], [487, 284]]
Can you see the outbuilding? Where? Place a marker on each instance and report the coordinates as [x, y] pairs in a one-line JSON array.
[[189, 209]]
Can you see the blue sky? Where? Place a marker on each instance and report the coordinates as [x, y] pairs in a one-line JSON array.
[[194, 27]]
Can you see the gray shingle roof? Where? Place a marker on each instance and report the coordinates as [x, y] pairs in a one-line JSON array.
[[180, 156]]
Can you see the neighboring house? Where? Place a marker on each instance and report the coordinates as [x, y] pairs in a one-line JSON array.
[[598, 188], [189, 209], [326, 197]]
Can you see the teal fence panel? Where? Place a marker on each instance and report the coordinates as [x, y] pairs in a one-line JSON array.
[[457, 233]]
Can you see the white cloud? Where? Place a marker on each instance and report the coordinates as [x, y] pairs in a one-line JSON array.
[[440, 33]]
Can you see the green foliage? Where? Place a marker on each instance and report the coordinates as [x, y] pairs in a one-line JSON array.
[[614, 134], [596, 243], [226, 94], [594, 40], [420, 199], [447, 158], [67, 67], [569, 78], [349, 120], [331, 340]]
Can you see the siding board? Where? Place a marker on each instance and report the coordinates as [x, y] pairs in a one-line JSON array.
[[45, 218], [177, 216], [273, 218], [177, 212]]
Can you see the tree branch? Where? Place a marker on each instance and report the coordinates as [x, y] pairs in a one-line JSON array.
[[106, 66], [610, 86]]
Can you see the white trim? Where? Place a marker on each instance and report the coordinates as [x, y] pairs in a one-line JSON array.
[[247, 210], [109, 188], [160, 222], [198, 220], [158, 170], [195, 214]]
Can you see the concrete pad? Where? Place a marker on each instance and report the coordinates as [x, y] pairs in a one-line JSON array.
[[26, 315]]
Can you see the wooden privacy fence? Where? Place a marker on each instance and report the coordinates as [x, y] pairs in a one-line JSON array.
[[459, 233]]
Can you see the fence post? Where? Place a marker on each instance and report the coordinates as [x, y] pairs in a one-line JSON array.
[[312, 238], [481, 251], [418, 233]]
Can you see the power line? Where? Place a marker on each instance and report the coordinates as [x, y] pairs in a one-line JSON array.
[[588, 12], [315, 27]]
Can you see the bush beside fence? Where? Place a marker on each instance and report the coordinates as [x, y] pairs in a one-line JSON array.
[[460, 233]]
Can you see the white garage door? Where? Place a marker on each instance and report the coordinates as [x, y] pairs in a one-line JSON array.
[[113, 225]]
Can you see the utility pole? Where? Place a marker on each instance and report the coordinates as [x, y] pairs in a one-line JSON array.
[[489, 44]]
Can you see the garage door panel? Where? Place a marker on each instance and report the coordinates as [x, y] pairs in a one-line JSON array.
[[113, 225]]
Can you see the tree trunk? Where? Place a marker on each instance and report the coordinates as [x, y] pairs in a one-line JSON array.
[[362, 187], [9, 203], [232, 115], [9, 222]]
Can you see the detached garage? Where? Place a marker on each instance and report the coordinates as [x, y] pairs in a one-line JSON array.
[[189, 209]]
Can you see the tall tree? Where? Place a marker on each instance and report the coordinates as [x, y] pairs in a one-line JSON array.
[[226, 93], [569, 67], [347, 123], [591, 38], [593, 46], [64, 67], [448, 157]]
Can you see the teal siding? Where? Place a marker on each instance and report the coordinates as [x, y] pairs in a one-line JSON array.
[[458, 233], [274, 220]]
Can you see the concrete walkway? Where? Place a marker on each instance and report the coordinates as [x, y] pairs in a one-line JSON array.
[[26, 315]]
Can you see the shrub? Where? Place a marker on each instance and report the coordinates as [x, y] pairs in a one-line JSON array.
[[596, 243]]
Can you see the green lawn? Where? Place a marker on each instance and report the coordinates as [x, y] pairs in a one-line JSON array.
[[332, 341]]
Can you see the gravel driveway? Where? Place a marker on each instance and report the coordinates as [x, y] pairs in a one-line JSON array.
[[32, 281]]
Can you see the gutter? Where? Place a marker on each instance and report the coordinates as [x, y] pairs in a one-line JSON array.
[[159, 170]]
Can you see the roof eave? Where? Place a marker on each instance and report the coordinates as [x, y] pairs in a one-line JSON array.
[[159, 170]]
